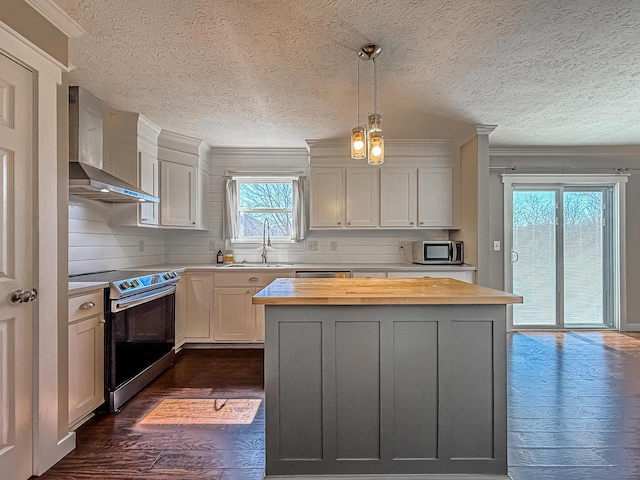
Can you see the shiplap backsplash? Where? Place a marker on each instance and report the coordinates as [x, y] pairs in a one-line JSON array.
[[365, 246], [96, 246]]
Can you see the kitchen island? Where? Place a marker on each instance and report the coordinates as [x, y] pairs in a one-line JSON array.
[[384, 377]]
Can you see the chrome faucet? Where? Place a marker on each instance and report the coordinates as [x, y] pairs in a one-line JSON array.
[[267, 235]]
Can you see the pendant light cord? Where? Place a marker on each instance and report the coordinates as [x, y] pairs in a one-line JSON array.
[[358, 90], [375, 87]]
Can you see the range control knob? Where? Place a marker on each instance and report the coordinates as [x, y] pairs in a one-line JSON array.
[[173, 274], [166, 276], [155, 279], [135, 283], [124, 285]]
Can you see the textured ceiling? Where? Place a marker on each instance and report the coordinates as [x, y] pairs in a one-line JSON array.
[[277, 72]]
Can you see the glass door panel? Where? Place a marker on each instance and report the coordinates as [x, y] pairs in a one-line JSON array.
[[534, 256], [584, 258]]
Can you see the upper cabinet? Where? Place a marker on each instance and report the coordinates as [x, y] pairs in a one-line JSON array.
[[184, 173], [327, 197], [416, 188], [131, 144]]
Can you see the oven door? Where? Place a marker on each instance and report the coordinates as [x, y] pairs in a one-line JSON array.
[[139, 336]]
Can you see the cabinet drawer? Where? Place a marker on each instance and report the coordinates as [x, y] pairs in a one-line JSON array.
[[248, 279], [81, 306]]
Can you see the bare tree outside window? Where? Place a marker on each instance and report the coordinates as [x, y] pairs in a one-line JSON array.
[[259, 200]]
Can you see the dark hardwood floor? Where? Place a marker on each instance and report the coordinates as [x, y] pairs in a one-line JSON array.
[[116, 446], [574, 414], [574, 406]]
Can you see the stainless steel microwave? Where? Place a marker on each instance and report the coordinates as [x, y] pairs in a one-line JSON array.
[[438, 252]]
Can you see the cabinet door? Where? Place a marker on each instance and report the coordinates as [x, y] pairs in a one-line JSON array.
[[369, 274], [148, 181], [178, 195], [197, 323], [258, 317], [362, 197], [435, 197], [327, 197], [398, 197], [181, 304], [86, 367], [232, 315]]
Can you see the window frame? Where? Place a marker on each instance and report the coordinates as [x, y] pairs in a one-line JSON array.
[[262, 180]]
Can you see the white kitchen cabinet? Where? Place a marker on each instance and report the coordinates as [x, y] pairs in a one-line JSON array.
[[463, 275], [86, 355], [132, 146], [327, 198], [197, 294], [362, 197], [149, 182], [398, 197], [234, 317], [178, 195], [435, 197], [184, 181], [181, 313]]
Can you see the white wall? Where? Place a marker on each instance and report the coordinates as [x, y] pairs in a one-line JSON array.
[[571, 161], [364, 246], [96, 246]]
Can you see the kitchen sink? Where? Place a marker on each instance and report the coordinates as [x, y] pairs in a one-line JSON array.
[[259, 265]]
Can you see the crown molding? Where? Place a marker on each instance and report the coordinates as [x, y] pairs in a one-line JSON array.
[[179, 142], [233, 152], [485, 129], [57, 17], [568, 151]]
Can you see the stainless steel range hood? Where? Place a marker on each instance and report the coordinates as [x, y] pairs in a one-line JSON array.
[[86, 177]]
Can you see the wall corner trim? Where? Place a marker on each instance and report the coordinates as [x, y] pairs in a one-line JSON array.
[[485, 129]]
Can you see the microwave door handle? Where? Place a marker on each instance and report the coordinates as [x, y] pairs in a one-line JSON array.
[[451, 253]]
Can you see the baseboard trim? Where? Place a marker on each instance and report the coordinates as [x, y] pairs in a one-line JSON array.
[[214, 346], [631, 327]]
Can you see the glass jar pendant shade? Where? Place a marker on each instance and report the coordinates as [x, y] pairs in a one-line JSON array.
[[358, 143], [375, 144]]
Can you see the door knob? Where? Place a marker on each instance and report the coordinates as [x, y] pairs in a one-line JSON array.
[[23, 296]]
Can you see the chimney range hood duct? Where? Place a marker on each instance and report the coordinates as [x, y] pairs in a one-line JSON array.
[[86, 177]]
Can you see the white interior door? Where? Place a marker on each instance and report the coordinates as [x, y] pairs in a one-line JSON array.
[[16, 253]]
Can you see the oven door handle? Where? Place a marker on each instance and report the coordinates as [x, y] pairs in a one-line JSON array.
[[134, 301]]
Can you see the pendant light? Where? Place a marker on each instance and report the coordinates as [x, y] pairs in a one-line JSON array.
[[366, 140]]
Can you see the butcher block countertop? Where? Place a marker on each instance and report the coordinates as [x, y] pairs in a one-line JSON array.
[[379, 291]]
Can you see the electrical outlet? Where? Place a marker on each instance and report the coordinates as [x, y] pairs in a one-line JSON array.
[[212, 245], [141, 245], [312, 245], [400, 244], [334, 246]]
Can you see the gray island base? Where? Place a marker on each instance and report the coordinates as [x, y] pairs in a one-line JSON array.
[[385, 390]]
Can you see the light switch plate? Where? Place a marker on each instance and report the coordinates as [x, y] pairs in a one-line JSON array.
[[141, 245], [212, 245], [334, 246], [496, 245]]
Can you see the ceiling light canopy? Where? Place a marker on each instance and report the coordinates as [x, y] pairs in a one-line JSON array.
[[366, 139]]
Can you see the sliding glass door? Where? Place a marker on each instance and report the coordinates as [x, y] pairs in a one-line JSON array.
[[562, 256]]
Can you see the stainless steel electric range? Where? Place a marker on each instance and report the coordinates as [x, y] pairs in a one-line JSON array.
[[139, 329]]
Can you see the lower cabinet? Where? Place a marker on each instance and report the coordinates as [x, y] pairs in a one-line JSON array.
[[181, 314], [86, 356], [235, 318], [196, 294], [233, 315]]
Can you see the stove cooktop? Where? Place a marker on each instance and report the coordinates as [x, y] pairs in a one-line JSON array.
[[126, 282]]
